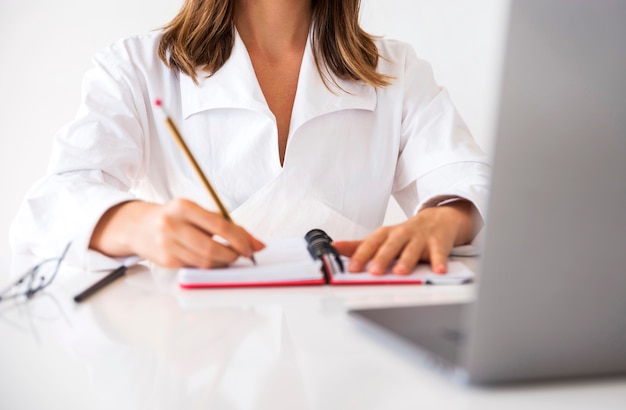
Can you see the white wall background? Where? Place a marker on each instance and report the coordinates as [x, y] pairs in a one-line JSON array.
[[46, 46]]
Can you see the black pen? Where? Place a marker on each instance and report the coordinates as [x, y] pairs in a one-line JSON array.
[[109, 278]]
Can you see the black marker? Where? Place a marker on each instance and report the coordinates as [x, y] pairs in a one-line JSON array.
[[320, 247]]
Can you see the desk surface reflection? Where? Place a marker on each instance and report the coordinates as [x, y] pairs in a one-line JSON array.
[[144, 343]]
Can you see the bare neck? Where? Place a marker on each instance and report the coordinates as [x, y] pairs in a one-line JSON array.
[[273, 27]]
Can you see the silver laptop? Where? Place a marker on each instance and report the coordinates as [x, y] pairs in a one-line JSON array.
[[551, 291]]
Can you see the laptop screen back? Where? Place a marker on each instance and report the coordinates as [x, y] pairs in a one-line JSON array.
[[552, 289]]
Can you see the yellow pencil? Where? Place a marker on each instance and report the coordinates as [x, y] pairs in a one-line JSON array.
[[181, 143]]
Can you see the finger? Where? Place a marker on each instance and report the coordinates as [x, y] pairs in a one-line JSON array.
[[346, 248], [174, 256], [438, 252], [409, 257], [200, 249], [215, 224], [194, 247], [216, 255], [256, 244], [387, 252], [366, 251], [219, 254], [234, 235], [189, 236]]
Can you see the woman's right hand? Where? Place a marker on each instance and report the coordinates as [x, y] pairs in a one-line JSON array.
[[177, 234]]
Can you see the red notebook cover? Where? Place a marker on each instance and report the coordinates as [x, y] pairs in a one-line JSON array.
[[287, 262]]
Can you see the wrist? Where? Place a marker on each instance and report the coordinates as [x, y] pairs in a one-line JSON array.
[[470, 221], [113, 234]]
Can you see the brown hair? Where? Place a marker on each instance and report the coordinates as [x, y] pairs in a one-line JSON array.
[[201, 36]]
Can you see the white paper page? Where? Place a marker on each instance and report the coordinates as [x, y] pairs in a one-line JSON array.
[[457, 273], [281, 260]]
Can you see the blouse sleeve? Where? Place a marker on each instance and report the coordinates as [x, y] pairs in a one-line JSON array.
[[439, 159], [95, 161]]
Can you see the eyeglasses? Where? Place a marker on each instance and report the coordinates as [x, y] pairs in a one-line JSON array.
[[35, 279]]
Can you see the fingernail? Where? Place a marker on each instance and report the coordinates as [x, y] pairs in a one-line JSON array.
[[440, 268], [354, 266], [376, 268], [400, 268]]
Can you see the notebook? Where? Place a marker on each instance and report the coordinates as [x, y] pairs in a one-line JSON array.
[[288, 262]]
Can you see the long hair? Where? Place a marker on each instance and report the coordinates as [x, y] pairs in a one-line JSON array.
[[201, 36]]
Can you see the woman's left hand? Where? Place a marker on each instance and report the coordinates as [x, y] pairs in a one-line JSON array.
[[428, 236]]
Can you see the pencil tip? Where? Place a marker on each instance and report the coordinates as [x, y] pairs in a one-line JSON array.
[[252, 259]]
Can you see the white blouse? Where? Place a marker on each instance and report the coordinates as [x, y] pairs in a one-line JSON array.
[[348, 149]]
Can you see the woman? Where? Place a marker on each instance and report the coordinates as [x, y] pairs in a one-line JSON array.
[[299, 118]]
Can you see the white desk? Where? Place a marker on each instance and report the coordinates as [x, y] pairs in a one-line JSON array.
[[143, 343]]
